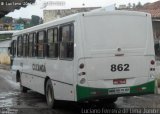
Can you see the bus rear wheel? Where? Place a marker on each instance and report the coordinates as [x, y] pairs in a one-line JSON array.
[[50, 94]]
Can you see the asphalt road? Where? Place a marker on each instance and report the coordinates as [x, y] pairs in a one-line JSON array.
[[12, 101]]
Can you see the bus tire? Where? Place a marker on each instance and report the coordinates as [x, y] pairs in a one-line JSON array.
[[22, 88], [49, 93]]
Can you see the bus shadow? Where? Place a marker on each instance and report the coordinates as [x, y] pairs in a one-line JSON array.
[[36, 103], [73, 107]]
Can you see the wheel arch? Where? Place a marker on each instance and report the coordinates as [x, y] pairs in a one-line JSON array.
[[45, 82]]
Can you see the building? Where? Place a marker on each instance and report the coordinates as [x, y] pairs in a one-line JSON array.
[[50, 15], [154, 10], [56, 9], [123, 6], [5, 46], [4, 52]]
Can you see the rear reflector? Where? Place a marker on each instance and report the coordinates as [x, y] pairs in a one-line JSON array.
[[119, 54], [119, 81], [152, 69]]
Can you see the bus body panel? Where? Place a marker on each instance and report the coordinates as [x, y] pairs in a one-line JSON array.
[[117, 67], [33, 76], [33, 82], [62, 78], [118, 50], [120, 46], [106, 33]]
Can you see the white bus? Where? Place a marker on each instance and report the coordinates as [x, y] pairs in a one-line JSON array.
[[87, 56]]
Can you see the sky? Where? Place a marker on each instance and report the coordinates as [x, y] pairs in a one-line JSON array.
[[38, 7]]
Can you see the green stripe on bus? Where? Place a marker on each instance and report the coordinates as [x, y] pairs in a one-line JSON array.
[[85, 93]]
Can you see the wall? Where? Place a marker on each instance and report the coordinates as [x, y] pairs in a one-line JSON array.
[[49, 15]]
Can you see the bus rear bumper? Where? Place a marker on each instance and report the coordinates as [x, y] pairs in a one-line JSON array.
[[89, 93]]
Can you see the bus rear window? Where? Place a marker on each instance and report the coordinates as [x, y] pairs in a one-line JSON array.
[[52, 45], [40, 44], [19, 46]]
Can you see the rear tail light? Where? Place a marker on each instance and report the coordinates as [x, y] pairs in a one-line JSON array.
[[83, 80], [81, 66], [152, 62], [82, 73], [152, 67]]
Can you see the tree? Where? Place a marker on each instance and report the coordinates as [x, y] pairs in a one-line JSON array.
[[20, 21], [27, 25], [41, 21], [139, 5], [133, 5], [7, 20], [129, 5], [35, 20]]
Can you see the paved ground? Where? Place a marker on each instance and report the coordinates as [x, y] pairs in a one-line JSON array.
[[15, 102]]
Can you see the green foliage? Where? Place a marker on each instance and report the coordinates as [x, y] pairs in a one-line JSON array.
[[7, 19], [20, 21], [35, 20], [129, 5], [133, 5], [27, 25], [139, 5]]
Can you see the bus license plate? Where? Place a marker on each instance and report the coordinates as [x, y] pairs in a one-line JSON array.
[[118, 91]]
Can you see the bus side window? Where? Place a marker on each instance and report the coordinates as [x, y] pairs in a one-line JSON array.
[[34, 53], [19, 46], [25, 45], [67, 41], [52, 43], [40, 44], [12, 48], [31, 45], [15, 46]]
